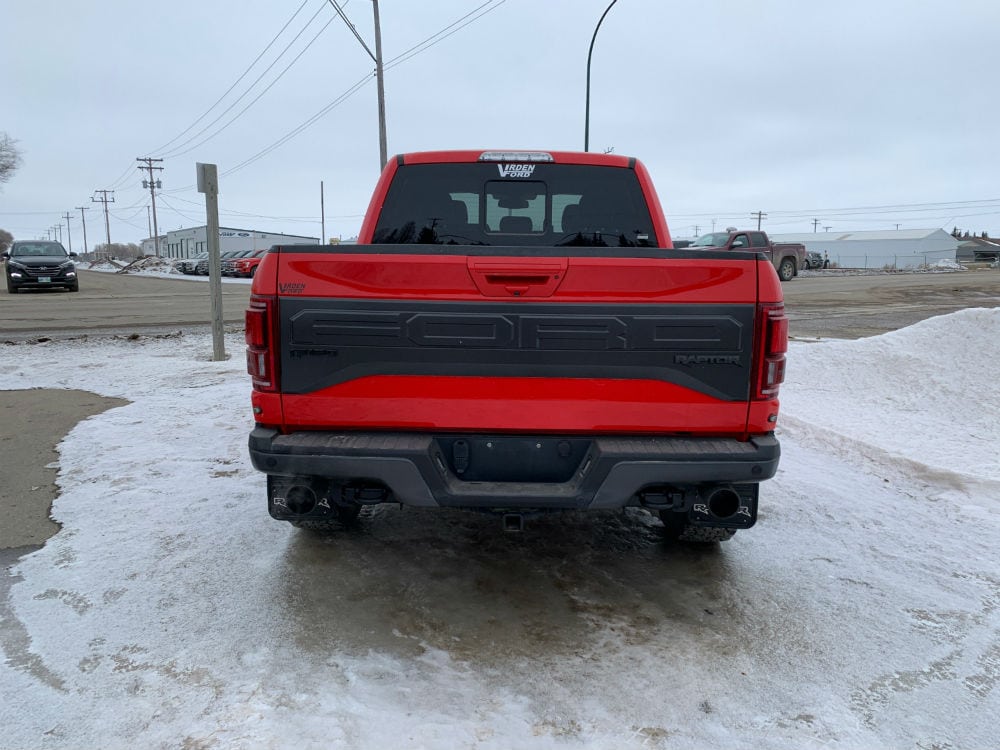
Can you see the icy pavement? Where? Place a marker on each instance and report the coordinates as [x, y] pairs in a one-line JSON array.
[[863, 611]]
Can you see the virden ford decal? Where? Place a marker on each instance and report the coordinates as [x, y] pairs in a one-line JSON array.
[[516, 170]]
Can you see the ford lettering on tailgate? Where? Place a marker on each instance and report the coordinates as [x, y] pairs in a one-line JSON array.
[[704, 347]]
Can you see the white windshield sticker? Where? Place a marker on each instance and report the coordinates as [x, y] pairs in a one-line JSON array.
[[516, 170]]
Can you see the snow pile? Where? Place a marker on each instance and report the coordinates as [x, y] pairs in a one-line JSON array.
[[944, 266], [107, 265], [150, 264], [947, 264], [862, 611], [920, 392]]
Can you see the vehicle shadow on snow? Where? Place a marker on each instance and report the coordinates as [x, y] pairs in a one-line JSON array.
[[404, 580]]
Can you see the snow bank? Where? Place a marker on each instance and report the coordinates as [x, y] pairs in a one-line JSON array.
[[924, 393]]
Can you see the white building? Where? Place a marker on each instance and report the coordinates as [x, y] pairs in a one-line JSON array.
[[148, 248], [184, 243], [903, 248]]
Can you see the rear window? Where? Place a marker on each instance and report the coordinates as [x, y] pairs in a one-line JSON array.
[[491, 204]]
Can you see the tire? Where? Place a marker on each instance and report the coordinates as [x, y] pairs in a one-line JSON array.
[[11, 289], [677, 529], [253, 271], [786, 269], [73, 288]]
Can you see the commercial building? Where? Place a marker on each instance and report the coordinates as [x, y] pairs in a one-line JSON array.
[[148, 248], [978, 249], [185, 243], [903, 248]]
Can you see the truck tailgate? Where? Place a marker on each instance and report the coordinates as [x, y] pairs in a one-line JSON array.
[[459, 338]]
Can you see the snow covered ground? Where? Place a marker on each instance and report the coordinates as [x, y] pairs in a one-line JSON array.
[[863, 611]]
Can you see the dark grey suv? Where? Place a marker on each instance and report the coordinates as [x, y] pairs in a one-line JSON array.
[[40, 264]]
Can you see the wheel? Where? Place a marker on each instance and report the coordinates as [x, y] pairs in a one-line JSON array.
[[11, 289], [786, 269], [253, 271], [677, 529], [73, 288]]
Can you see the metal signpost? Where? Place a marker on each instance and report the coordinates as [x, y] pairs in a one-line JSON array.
[[208, 183]]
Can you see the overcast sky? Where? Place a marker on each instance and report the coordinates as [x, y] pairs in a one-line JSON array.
[[863, 115]]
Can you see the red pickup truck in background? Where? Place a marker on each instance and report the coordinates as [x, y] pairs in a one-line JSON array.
[[788, 258], [514, 332], [245, 267]]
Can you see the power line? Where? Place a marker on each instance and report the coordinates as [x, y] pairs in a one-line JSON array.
[[861, 210], [118, 214], [178, 212], [937, 205], [179, 150], [444, 33], [251, 215], [403, 57], [424, 46], [295, 131], [127, 221], [354, 31], [237, 81], [121, 179]]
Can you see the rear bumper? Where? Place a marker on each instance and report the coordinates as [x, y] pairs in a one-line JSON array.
[[612, 472]]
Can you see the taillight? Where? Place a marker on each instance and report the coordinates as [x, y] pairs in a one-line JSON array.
[[262, 361], [772, 343]]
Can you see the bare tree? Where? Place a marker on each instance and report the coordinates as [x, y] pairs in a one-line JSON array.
[[6, 238], [10, 157]]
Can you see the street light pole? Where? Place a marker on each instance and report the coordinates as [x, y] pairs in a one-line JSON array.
[[586, 123]]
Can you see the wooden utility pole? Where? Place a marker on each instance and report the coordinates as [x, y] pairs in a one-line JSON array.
[[382, 146], [208, 183], [760, 215], [151, 183], [69, 232], [322, 216], [377, 57], [83, 218], [107, 222]]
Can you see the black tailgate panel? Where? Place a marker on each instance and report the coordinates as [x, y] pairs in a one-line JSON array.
[[330, 341]]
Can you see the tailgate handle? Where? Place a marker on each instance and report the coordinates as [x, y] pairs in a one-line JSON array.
[[518, 279]]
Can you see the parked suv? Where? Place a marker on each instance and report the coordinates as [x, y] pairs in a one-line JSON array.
[[40, 264]]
